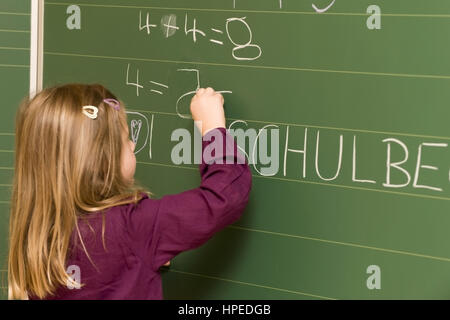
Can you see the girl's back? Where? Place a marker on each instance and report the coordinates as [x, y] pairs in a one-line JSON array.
[[76, 209]]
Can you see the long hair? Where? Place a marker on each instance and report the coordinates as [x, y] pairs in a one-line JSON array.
[[66, 166]]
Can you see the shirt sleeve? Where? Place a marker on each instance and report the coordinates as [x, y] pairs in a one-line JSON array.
[[161, 229]]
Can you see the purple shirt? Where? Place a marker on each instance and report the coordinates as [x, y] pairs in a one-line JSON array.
[[140, 238]]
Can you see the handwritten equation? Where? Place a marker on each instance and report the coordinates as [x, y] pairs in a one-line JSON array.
[[157, 87], [216, 35]]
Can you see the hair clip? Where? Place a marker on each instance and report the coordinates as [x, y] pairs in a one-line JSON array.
[[93, 112], [113, 103]]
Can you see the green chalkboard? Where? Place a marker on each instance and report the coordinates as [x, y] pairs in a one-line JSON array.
[[357, 203], [14, 83]]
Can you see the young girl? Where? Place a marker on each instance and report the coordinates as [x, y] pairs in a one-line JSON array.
[[77, 211]]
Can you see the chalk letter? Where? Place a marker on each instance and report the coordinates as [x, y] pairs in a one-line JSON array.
[[74, 21], [419, 165], [395, 164], [374, 281], [324, 9], [150, 141], [341, 143], [296, 151], [354, 165], [374, 21]]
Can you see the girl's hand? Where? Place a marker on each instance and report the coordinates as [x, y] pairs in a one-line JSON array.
[[207, 107]]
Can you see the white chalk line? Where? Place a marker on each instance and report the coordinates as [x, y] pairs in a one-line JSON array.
[[313, 126], [349, 244], [249, 284], [415, 195], [379, 74], [419, 15]]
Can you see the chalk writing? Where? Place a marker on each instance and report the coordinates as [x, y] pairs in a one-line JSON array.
[[318, 10], [215, 34]]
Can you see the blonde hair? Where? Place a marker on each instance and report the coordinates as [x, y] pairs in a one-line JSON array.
[[66, 166]]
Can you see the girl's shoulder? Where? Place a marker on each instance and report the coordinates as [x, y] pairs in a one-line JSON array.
[[144, 200], [145, 209], [124, 214]]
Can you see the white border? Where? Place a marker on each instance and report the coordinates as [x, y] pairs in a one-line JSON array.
[[36, 46]]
